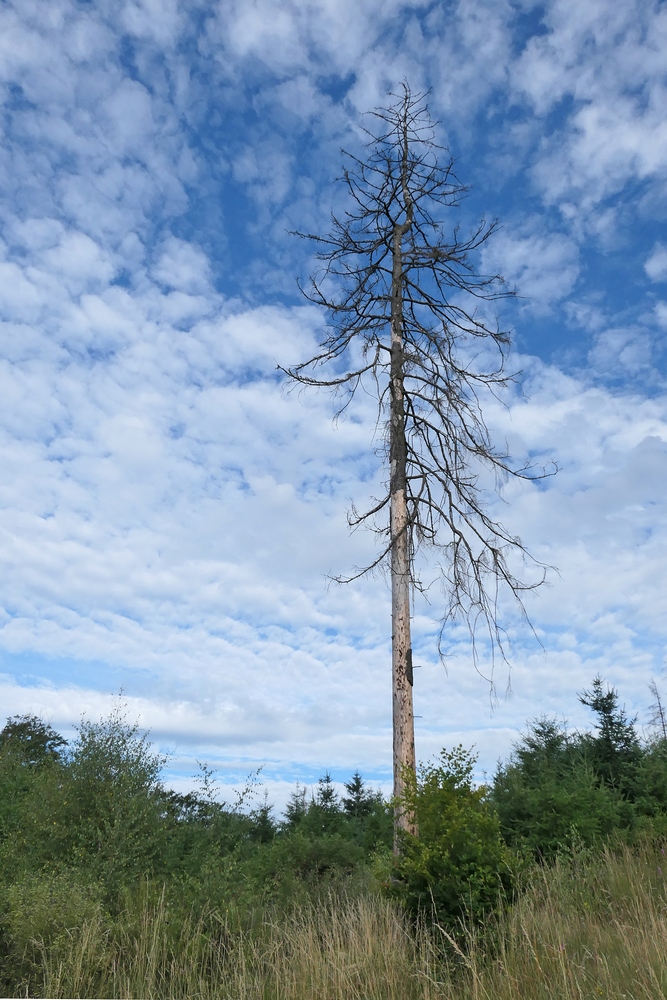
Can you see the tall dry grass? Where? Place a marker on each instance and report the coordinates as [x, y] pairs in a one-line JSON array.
[[338, 948], [587, 927]]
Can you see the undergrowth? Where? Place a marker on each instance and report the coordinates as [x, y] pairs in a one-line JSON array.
[[587, 925]]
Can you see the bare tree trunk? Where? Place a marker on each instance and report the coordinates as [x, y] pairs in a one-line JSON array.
[[401, 576]]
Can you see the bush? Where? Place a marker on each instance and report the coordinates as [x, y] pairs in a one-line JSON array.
[[99, 811], [29, 749], [458, 867], [40, 911]]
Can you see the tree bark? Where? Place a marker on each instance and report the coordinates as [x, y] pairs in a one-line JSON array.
[[403, 715]]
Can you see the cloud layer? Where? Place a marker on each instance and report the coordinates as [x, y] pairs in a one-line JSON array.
[[169, 513]]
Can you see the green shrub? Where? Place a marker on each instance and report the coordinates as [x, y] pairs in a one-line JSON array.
[[29, 748], [100, 812], [39, 911], [458, 867], [44, 906]]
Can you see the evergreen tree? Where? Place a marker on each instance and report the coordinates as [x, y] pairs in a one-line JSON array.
[[359, 801], [615, 751]]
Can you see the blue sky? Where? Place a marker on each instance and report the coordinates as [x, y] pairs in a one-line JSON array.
[[168, 513]]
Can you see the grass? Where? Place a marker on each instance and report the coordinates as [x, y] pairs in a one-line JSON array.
[[589, 926]]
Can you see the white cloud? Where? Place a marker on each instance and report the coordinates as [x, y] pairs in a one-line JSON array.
[[182, 266], [543, 267], [620, 351], [183, 527], [157, 20], [656, 264], [88, 141], [293, 35], [608, 59], [18, 296], [661, 314], [79, 262]]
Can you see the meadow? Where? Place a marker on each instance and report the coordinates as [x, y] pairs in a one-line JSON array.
[[589, 925]]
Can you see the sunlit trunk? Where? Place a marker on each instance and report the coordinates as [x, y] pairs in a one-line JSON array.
[[403, 716]]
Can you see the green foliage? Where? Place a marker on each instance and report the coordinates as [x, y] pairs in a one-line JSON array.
[[42, 907], [32, 740], [323, 842], [558, 786], [458, 867], [362, 818], [96, 812], [549, 793], [590, 925], [614, 751], [92, 843], [86, 830], [113, 795], [29, 749], [99, 811]]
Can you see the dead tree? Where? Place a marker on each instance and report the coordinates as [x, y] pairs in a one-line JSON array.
[[408, 320], [658, 712]]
